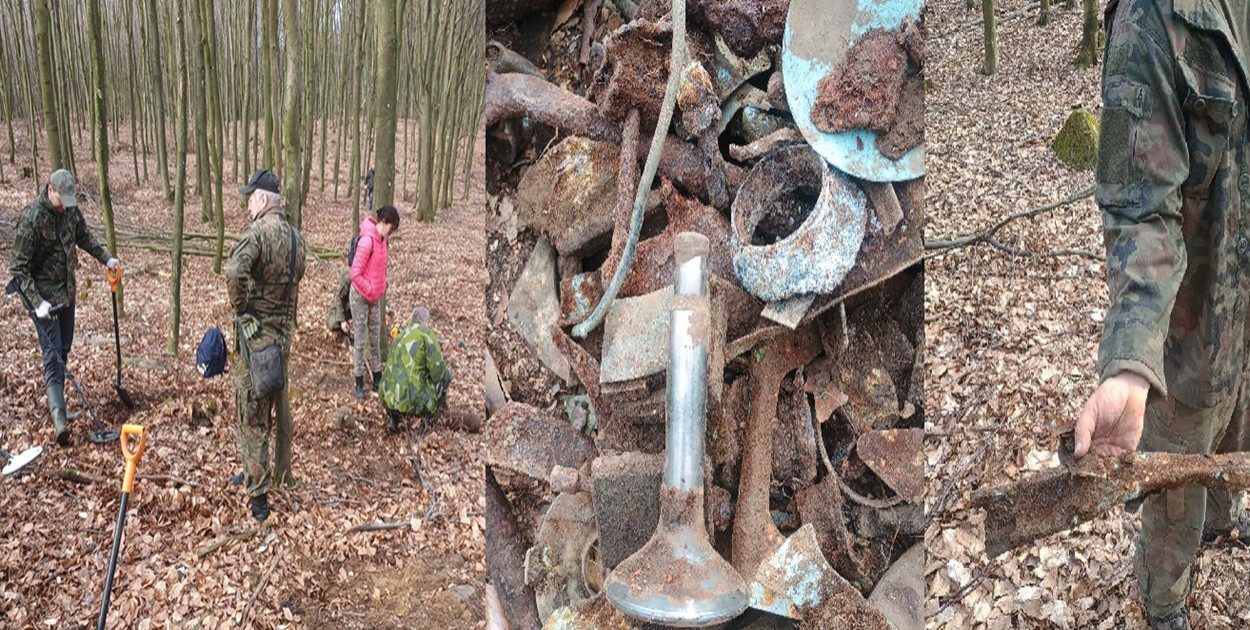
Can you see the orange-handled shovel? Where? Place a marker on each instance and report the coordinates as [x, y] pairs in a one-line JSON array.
[[132, 460], [115, 278]]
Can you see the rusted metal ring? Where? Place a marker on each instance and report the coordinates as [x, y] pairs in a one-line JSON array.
[[815, 257]]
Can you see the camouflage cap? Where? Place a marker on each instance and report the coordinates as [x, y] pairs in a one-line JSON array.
[[62, 181]]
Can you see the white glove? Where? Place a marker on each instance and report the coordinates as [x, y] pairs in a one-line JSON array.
[[112, 263], [41, 311]]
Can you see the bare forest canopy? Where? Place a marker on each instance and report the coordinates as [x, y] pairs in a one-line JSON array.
[[267, 80]]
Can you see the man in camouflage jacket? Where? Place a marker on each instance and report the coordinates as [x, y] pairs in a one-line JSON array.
[[43, 268], [416, 377], [1173, 183], [263, 293]]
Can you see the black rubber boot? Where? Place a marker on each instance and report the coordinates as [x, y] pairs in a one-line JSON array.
[[1178, 620], [56, 405], [237, 480], [392, 423], [360, 387], [260, 507], [377, 380]]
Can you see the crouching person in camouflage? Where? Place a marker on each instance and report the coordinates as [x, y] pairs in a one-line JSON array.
[[339, 317], [262, 279], [416, 377], [43, 268]]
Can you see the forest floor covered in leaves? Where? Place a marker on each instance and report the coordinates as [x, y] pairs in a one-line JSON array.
[[303, 570], [1012, 340]]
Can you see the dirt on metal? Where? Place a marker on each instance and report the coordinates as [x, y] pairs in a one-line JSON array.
[[907, 132], [862, 92]]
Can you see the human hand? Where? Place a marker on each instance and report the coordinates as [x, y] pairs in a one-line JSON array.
[[112, 264], [42, 311], [1111, 421], [343, 327]]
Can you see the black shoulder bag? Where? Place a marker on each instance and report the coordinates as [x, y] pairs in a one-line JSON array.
[[265, 364]]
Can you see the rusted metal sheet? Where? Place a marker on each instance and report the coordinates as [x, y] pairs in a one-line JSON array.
[[564, 193], [527, 440], [897, 457], [797, 582], [533, 308]]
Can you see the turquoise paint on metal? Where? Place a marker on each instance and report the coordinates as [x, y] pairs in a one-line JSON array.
[[818, 34]]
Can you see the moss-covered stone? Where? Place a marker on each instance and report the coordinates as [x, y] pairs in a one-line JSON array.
[[1077, 143]]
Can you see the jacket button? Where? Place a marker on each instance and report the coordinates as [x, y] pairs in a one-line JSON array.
[[1200, 104], [1243, 183], [1243, 247]]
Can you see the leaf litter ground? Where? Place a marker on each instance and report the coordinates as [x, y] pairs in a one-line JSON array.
[[304, 571], [1012, 341]]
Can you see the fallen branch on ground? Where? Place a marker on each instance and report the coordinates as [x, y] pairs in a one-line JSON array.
[[941, 246], [167, 479], [260, 587], [226, 540], [76, 476], [379, 527]]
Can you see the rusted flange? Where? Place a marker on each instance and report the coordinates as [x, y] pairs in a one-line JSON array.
[[815, 257]]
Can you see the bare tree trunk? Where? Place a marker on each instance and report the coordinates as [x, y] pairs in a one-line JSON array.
[[390, 25], [212, 81], [1088, 55], [268, 44], [1043, 15], [356, 168], [275, 59], [43, 52], [149, 32], [180, 193], [99, 91], [991, 38], [291, 112]]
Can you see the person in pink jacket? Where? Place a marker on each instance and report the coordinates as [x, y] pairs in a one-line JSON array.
[[368, 287]]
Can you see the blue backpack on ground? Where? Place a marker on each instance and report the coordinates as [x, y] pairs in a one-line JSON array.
[[210, 357]]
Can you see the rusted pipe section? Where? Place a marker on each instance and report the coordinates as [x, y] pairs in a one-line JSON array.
[[516, 95], [502, 60], [816, 256]]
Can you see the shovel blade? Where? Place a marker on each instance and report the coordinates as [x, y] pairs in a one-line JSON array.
[[124, 396], [19, 461], [1019, 513]]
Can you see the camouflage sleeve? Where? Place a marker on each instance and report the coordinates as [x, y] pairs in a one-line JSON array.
[[435, 366], [23, 252], [239, 269], [1142, 162], [86, 240]]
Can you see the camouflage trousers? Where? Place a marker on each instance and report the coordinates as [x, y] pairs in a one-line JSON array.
[[366, 333], [1172, 522], [257, 417]]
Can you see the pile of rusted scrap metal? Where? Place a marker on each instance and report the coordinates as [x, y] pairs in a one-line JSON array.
[[740, 442]]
